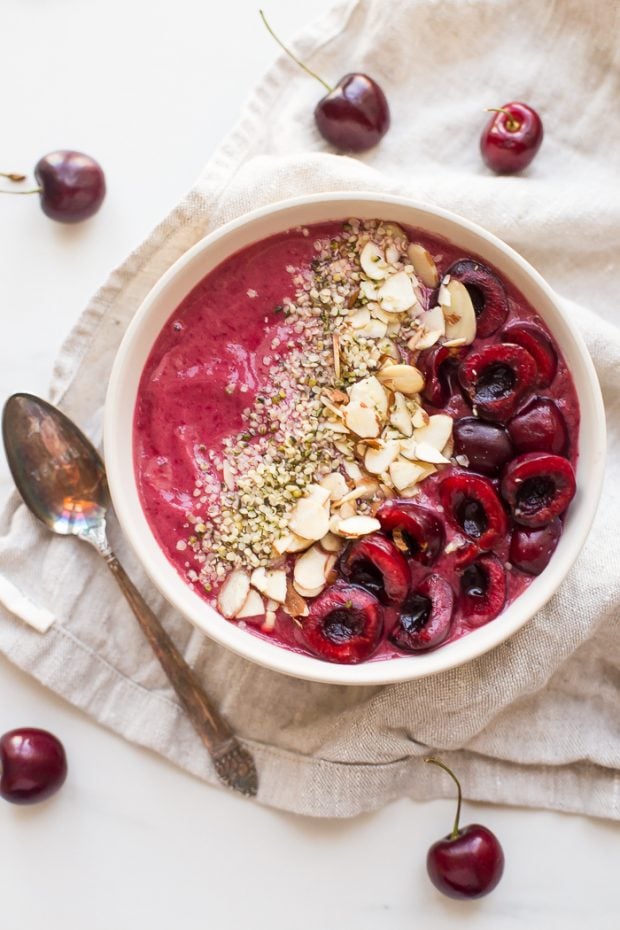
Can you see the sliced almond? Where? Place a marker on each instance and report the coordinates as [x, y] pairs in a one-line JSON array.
[[353, 470], [365, 490], [373, 262], [294, 605], [360, 525], [436, 433], [376, 461], [310, 519], [269, 622], [423, 264], [291, 542], [419, 417], [253, 606], [368, 290], [229, 478], [425, 452], [375, 329], [233, 593], [335, 484], [400, 417], [310, 568], [347, 510], [331, 543], [370, 391], [271, 583], [434, 325], [362, 420], [336, 354], [404, 473], [344, 446], [403, 378], [394, 231], [308, 592], [359, 318], [459, 314], [396, 294]]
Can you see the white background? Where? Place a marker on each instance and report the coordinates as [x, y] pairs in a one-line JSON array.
[[149, 87]]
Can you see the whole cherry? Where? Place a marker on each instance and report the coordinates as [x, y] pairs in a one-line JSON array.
[[354, 114], [33, 765], [469, 862], [511, 138], [71, 185]]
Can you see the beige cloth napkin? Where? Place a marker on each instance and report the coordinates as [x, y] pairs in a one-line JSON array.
[[536, 721]]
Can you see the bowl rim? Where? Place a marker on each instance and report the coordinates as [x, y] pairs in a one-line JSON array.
[[192, 606]]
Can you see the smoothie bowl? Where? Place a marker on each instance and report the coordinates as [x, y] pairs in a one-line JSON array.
[[354, 439]]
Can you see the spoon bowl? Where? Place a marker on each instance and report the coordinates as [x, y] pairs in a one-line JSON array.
[[56, 469]]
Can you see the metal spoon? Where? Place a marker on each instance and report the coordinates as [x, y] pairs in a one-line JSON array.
[[61, 477]]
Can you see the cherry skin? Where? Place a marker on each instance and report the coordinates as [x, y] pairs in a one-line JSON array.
[[470, 861], [34, 765], [354, 115], [511, 138], [72, 186]]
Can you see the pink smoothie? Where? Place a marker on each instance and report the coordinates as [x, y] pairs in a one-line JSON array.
[[210, 363]]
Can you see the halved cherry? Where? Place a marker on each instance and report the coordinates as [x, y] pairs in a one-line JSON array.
[[488, 294], [439, 366], [487, 446], [531, 548], [374, 563], [426, 616], [415, 530], [483, 590], [538, 344], [344, 624], [495, 379], [538, 487], [539, 427], [471, 503]]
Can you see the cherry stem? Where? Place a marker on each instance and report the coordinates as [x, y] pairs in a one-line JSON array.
[[32, 190], [290, 55], [12, 176], [512, 124], [442, 765]]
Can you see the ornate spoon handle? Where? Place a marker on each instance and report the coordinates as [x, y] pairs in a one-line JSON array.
[[234, 764]]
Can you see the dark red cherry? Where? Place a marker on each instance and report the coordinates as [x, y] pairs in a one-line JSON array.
[[539, 427], [439, 366], [415, 530], [488, 294], [33, 764], [72, 186], [511, 138], [374, 563], [354, 115], [483, 590], [495, 379], [426, 616], [538, 344], [472, 505], [487, 446], [538, 487], [531, 549], [344, 624], [469, 862]]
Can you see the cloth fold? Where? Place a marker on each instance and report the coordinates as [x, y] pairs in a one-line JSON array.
[[534, 722]]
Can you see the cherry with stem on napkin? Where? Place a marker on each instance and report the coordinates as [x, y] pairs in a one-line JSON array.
[[354, 114], [469, 862]]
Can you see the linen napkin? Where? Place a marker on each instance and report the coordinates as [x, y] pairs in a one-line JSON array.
[[534, 722]]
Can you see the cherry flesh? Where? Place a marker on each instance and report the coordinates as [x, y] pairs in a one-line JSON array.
[[344, 624], [415, 530], [469, 862], [354, 115], [374, 562], [426, 616], [538, 487], [511, 138], [34, 765]]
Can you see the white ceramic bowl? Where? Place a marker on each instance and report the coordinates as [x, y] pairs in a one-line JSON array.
[[187, 272]]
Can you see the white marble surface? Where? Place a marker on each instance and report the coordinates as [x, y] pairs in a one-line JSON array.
[[149, 88]]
